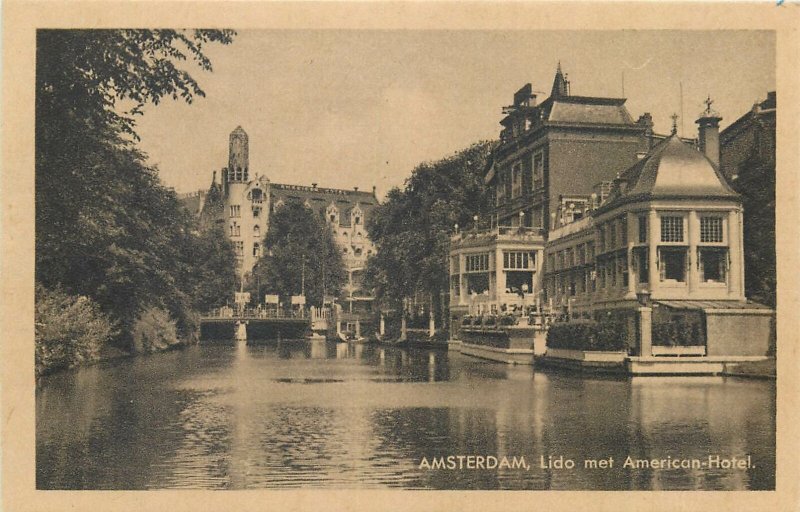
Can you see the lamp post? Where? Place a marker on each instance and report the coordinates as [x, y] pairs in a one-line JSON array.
[[645, 311]]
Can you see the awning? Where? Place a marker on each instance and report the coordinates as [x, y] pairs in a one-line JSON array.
[[712, 304]]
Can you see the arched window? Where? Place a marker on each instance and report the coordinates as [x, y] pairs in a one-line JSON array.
[[256, 230]]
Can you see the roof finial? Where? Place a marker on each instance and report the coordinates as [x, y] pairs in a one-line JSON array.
[[709, 112], [674, 123]]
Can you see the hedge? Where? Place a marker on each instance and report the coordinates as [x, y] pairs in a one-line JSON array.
[[677, 333], [587, 335]]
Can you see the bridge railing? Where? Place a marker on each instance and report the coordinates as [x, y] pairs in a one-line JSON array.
[[266, 313]]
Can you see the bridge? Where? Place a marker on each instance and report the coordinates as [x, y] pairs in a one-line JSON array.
[[260, 323]]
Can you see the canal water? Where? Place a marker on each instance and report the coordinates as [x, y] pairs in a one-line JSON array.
[[300, 414]]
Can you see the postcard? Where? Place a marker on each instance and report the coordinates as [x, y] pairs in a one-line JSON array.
[[399, 256]]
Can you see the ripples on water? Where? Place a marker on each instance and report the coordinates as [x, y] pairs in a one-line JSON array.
[[317, 414]]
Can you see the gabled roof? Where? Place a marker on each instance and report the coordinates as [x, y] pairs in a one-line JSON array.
[[672, 169]]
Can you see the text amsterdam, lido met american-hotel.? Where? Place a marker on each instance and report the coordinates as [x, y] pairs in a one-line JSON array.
[[597, 216]]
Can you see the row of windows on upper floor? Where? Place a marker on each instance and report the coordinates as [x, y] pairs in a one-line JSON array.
[[713, 267], [332, 213], [480, 262], [613, 235], [524, 175]]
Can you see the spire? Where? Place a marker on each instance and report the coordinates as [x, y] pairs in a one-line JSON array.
[[674, 123], [560, 84]]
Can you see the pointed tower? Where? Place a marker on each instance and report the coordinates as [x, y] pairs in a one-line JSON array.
[[560, 84]]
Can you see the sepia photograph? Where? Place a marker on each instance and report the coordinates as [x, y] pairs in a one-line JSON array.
[[445, 259]]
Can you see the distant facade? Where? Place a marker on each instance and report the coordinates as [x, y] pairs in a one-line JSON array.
[[250, 199]]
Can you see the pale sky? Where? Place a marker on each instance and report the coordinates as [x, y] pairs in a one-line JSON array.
[[363, 108]]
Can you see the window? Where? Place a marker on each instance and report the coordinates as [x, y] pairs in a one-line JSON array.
[[612, 235], [256, 230], [519, 260], [256, 211], [613, 270], [710, 229], [538, 171], [642, 265], [235, 210], [642, 229], [713, 263], [516, 180], [477, 263], [256, 250], [623, 231], [257, 195], [601, 245], [235, 229], [623, 270], [357, 251], [672, 229], [238, 247], [672, 264]]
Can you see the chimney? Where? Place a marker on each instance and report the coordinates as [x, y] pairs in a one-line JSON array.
[[374, 190], [646, 121], [355, 189], [314, 186], [708, 132]]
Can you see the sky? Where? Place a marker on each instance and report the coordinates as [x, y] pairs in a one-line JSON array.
[[361, 108]]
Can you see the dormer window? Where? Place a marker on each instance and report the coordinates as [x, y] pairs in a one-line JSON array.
[[356, 216], [332, 214]]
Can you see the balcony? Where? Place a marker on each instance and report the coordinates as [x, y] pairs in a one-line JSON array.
[[475, 237]]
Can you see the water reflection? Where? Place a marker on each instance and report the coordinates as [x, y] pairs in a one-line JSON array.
[[319, 414]]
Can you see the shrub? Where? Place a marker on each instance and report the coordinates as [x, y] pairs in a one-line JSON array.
[[467, 320], [677, 333], [609, 336], [70, 330], [586, 335], [489, 320], [154, 330], [508, 320]]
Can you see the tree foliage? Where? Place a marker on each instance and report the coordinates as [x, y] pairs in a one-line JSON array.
[[299, 252], [70, 330], [412, 227], [106, 227]]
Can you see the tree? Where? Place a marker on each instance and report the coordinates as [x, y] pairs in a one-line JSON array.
[[412, 227], [106, 227], [300, 255]]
